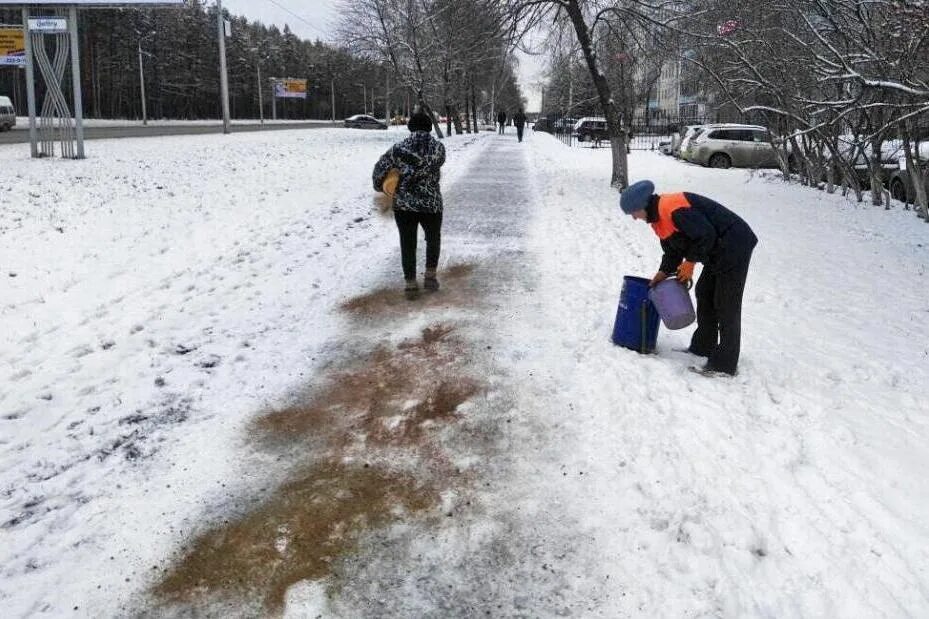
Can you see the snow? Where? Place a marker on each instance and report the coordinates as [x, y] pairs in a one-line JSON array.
[[168, 290]]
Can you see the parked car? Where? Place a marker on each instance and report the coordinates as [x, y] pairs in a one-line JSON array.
[[690, 132], [563, 125], [902, 187], [543, 124], [7, 114], [901, 184], [590, 128], [364, 121], [727, 145], [665, 146]]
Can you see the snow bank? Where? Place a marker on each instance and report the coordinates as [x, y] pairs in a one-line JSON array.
[[155, 296], [795, 489]]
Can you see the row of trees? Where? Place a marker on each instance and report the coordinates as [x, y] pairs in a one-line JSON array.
[[180, 61], [455, 56], [845, 82]]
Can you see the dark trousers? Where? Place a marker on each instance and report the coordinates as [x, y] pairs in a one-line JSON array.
[[501, 130], [719, 305], [519, 132], [408, 223]]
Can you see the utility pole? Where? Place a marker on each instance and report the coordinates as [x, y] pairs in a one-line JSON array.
[[387, 101], [332, 91], [261, 99], [223, 75], [142, 86]]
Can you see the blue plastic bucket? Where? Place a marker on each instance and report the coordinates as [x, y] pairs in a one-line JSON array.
[[637, 319]]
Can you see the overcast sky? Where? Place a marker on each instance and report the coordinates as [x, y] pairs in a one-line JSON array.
[[316, 19]]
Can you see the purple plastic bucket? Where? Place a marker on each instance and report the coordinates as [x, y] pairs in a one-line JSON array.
[[673, 303]]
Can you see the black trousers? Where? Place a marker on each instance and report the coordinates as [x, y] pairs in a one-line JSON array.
[[519, 132], [719, 303], [408, 223]]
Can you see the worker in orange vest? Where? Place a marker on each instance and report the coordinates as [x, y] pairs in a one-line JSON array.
[[692, 229]]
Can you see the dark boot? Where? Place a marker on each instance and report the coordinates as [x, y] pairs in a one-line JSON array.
[[429, 280], [411, 290]]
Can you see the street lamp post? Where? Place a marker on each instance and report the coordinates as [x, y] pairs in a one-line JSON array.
[[261, 100], [142, 87], [223, 73], [364, 94]]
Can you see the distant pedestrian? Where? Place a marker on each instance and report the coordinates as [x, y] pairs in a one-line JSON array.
[[418, 200], [501, 120], [694, 229], [519, 119]]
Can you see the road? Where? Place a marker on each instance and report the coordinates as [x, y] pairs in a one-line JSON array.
[[20, 135]]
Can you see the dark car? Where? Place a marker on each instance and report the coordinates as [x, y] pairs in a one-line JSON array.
[[543, 124], [591, 130], [364, 121], [902, 188]]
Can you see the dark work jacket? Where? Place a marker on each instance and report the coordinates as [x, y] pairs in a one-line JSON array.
[[707, 232]]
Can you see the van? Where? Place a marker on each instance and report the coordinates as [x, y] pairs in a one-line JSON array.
[[7, 114]]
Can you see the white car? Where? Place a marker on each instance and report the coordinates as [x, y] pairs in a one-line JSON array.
[[689, 133], [7, 114], [727, 145]]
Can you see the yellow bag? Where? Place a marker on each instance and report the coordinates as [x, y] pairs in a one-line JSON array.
[[389, 186]]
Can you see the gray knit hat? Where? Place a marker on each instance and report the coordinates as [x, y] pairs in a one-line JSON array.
[[636, 197]]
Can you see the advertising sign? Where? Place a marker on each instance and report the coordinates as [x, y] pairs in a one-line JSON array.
[[12, 47], [48, 25], [290, 88]]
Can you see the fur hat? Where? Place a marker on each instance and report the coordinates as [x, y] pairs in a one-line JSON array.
[[419, 121]]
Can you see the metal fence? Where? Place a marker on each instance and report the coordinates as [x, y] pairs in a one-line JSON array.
[[643, 135]]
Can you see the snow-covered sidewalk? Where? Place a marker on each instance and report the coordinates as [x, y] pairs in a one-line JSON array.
[[218, 399]]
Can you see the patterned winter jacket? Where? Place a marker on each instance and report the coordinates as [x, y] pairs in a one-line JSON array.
[[419, 159]]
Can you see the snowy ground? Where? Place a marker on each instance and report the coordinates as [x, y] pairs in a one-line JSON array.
[[198, 330]]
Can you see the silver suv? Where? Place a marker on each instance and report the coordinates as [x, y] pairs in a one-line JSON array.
[[727, 145]]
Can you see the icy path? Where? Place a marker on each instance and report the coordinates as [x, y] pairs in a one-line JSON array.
[[625, 486], [329, 448]]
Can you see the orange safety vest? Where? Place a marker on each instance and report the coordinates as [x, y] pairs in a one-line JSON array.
[[667, 204]]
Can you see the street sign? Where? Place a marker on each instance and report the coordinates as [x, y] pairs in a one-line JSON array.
[[48, 25], [12, 47], [290, 88]]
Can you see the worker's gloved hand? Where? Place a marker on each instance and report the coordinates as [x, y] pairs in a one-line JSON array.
[[685, 272], [660, 276]]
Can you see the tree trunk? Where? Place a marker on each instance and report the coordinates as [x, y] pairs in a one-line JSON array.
[[917, 176], [620, 177], [474, 107], [874, 170]]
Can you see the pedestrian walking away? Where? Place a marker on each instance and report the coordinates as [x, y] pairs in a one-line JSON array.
[[693, 228], [501, 120], [414, 165], [519, 119]]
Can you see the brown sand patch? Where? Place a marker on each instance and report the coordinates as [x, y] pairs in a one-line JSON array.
[[390, 404], [427, 370], [296, 535], [455, 291]]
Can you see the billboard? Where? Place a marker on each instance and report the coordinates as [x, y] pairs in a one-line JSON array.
[[290, 88], [12, 47]]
